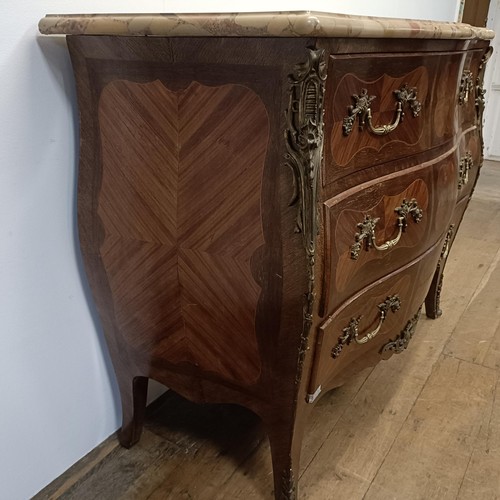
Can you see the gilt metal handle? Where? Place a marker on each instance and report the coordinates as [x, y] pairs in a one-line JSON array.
[[367, 228], [466, 87], [401, 343], [463, 169], [362, 108], [351, 332]]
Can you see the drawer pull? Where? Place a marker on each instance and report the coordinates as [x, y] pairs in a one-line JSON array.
[[367, 228], [362, 107], [351, 332], [466, 86], [401, 343], [463, 169]]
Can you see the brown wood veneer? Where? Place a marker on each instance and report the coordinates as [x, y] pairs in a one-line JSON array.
[[200, 245]]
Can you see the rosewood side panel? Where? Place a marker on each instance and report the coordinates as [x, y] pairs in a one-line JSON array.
[[186, 228]]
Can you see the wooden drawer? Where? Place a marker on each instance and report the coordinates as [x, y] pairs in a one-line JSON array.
[[351, 219], [469, 162], [467, 88], [338, 356], [431, 74]]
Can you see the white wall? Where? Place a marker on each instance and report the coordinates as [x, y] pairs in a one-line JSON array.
[[438, 10], [57, 389], [492, 86]]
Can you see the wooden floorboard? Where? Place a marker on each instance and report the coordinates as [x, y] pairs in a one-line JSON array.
[[424, 425]]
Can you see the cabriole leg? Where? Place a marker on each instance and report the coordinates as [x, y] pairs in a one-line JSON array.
[[432, 301], [285, 438], [133, 394]]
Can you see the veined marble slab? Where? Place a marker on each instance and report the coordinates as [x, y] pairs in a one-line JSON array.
[[263, 24]]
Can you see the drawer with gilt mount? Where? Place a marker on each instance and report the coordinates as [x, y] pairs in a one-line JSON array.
[[392, 233]]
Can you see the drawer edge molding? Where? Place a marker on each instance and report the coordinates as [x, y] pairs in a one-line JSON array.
[[304, 148], [415, 169]]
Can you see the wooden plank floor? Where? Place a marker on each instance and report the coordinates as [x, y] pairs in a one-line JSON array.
[[423, 425]]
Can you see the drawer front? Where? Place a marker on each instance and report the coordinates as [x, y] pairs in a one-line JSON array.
[[467, 88], [351, 146], [339, 353], [377, 227], [469, 162]]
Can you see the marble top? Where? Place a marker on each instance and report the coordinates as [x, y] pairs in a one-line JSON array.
[[263, 24]]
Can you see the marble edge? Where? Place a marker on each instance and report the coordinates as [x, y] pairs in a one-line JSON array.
[[263, 24]]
